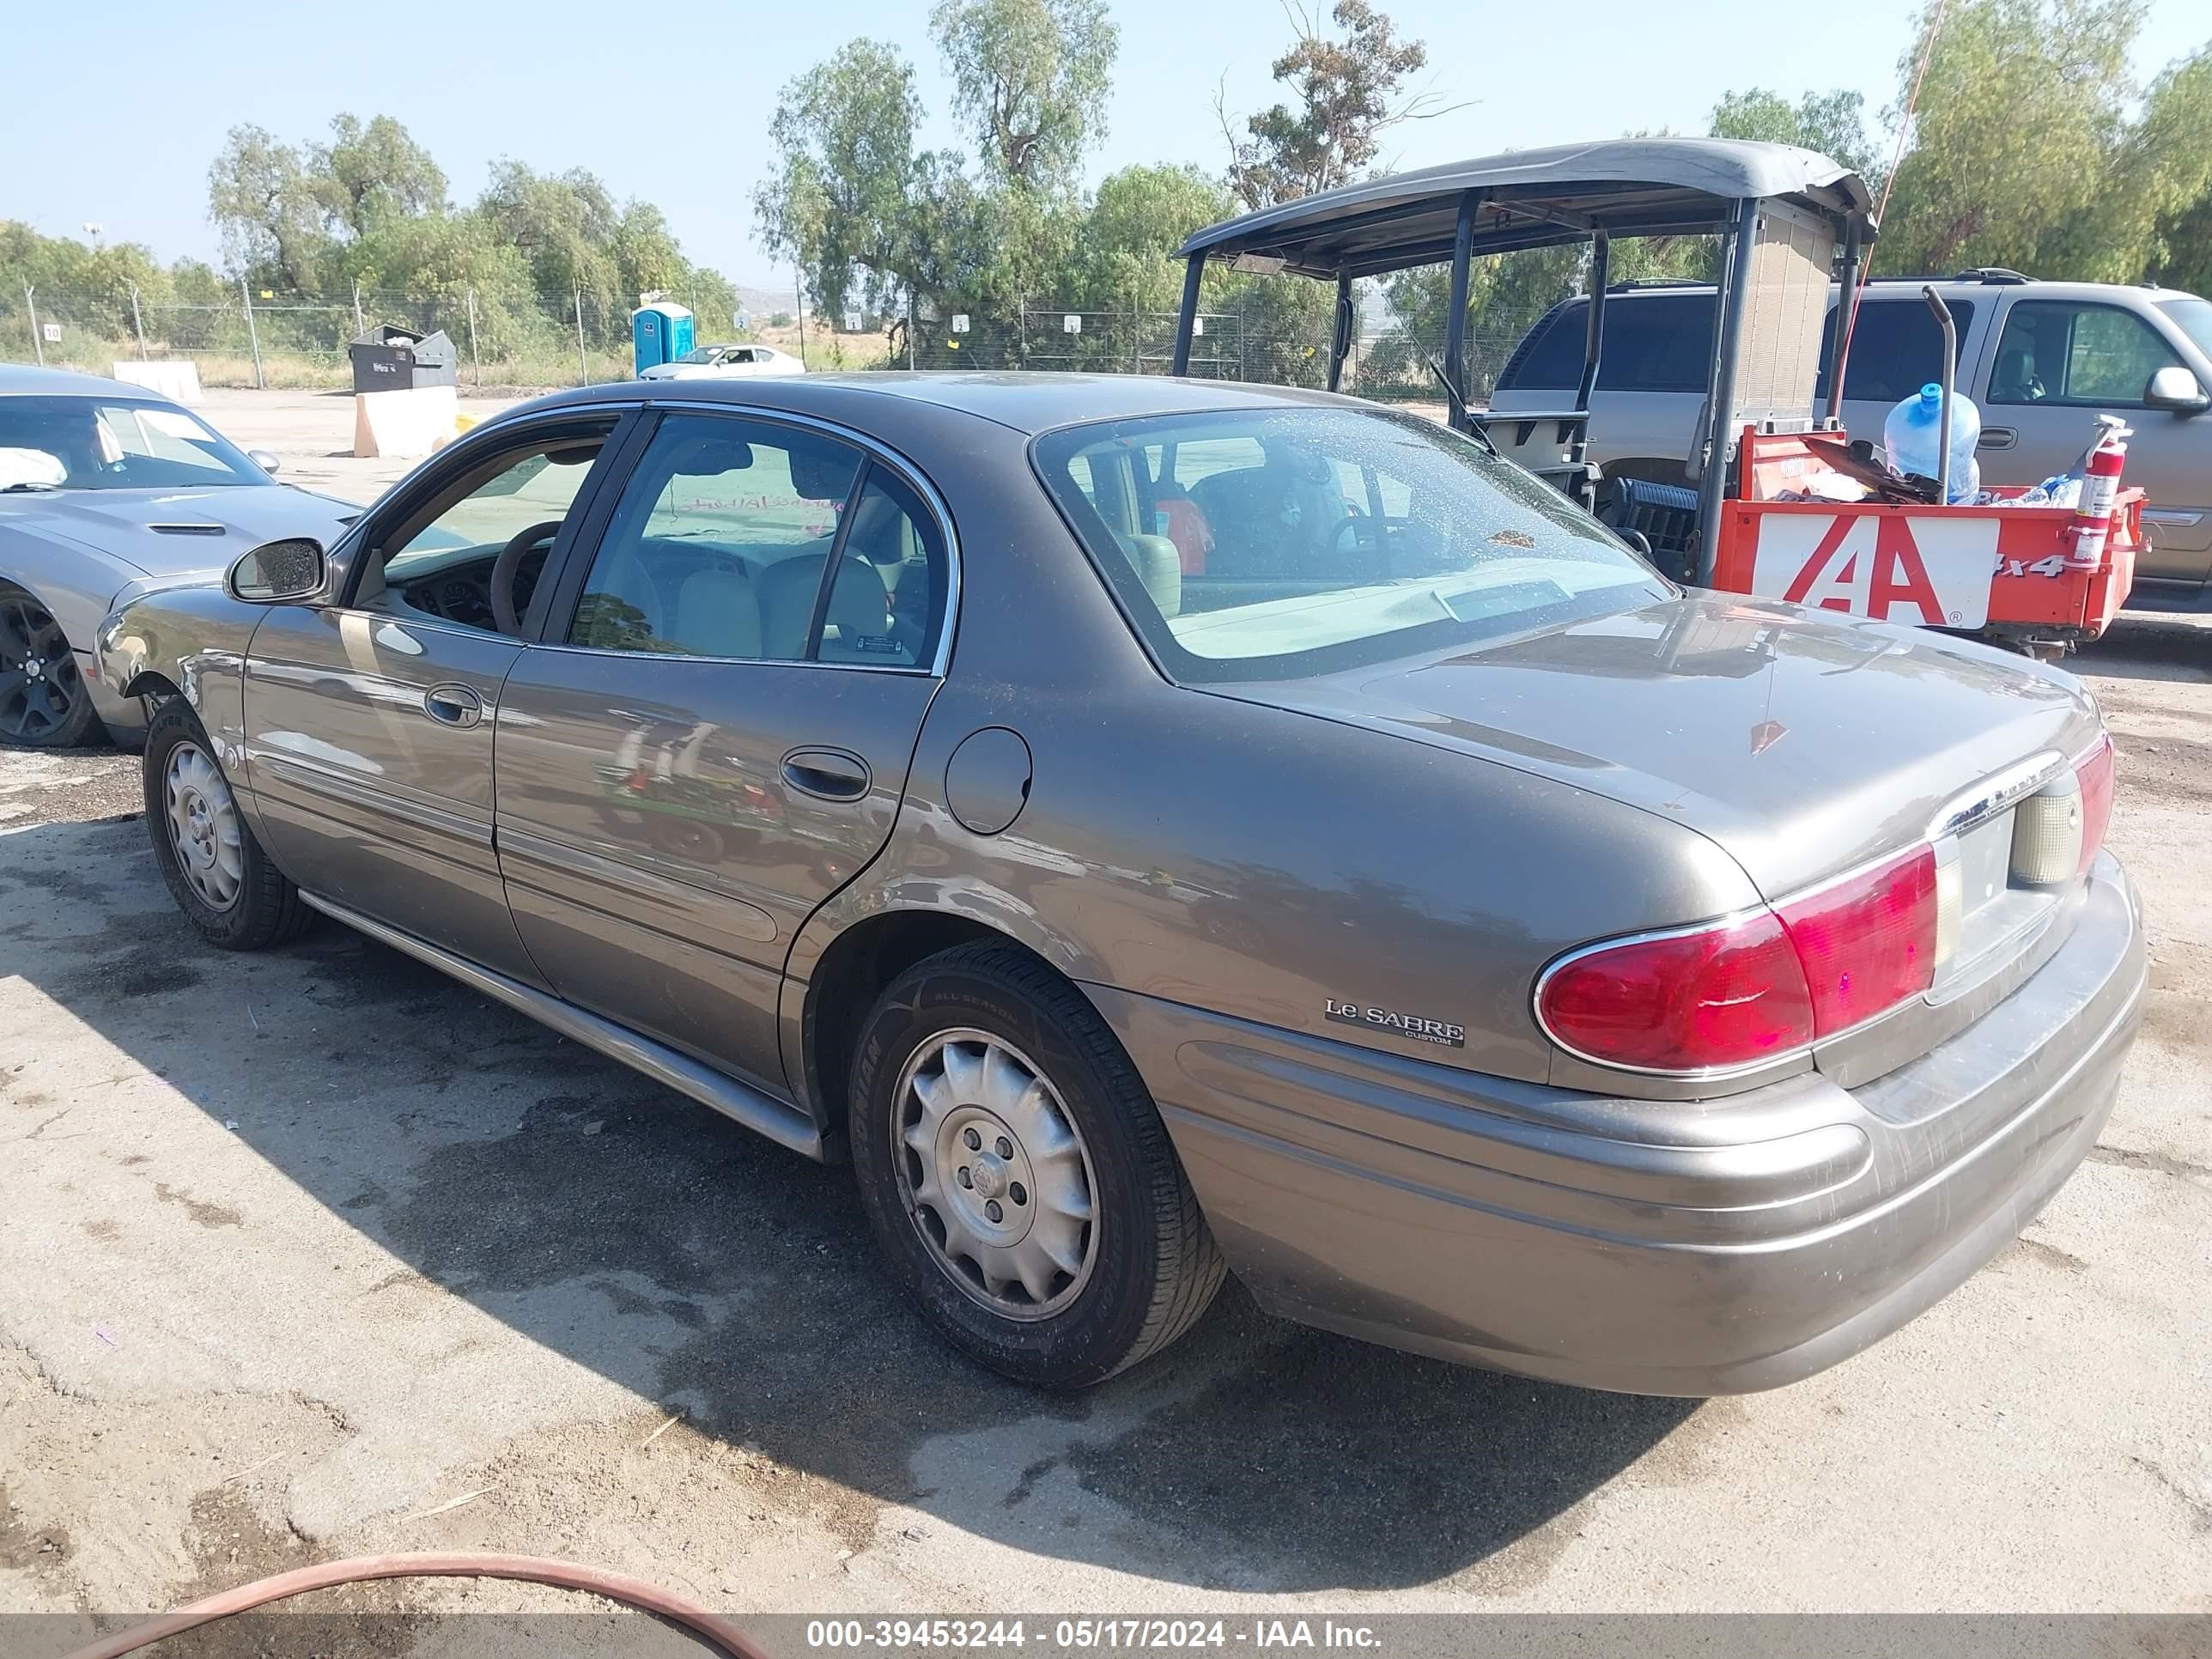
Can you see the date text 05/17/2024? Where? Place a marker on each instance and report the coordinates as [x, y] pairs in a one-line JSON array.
[[1086, 1635]]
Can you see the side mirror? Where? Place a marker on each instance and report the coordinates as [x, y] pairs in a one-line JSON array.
[[276, 572], [267, 460], [2175, 388]]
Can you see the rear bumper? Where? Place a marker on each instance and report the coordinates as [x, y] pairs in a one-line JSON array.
[[1648, 1247]]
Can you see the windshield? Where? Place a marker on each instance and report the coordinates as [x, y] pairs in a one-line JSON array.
[[703, 354], [2195, 317], [99, 443], [1274, 544]]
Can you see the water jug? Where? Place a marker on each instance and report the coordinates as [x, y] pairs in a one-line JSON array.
[[1913, 435]]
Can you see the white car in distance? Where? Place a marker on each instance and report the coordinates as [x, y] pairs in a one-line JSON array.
[[725, 362]]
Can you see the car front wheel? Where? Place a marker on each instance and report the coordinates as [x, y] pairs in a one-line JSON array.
[[44, 701], [215, 870], [1018, 1174]]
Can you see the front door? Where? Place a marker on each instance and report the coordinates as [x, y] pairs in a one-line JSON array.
[[714, 736], [2058, 363], [369, 723]]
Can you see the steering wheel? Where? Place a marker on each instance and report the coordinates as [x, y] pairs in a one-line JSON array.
[[508, 566]]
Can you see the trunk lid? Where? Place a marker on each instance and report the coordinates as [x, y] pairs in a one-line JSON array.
[[1803, 743]]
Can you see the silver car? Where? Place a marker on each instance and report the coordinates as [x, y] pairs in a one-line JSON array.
[[106, 489], [1154, 829], [2041, 360]]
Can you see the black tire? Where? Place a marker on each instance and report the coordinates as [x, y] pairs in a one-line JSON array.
[[44, 701], [1152, 1265], [265, 909]]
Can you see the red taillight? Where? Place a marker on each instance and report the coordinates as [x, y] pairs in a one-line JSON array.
[[1727, 995], [1868, 942], [2095, 774], [1739, 992]]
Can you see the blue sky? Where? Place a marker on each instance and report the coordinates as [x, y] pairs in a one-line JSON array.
[[117, 126]]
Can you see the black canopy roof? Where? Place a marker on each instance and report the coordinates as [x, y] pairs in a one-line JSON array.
[[1536, 199]]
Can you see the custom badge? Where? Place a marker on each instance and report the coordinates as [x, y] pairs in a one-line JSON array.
[[1443, 1033]]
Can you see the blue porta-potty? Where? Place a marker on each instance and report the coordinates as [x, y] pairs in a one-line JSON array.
[[659, 332]]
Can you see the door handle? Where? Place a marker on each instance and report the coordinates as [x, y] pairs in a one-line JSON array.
[[1998, 437], [826, 774], [453, 705]]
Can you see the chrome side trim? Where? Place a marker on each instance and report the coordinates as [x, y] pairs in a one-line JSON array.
[[781, 1122]]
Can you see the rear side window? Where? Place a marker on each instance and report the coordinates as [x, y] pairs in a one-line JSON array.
[[1897, 348], [1653, 343], [723, 542]]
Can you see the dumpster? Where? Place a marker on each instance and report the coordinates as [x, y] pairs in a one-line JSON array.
[[389, 358]]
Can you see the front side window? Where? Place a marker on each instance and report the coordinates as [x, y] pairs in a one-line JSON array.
[[1269, 544], [440, 557], [537, 486], [97, 443], [2076, 353], [743, 538], [2193, 317]]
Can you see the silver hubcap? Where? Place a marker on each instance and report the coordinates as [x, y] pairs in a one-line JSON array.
[[994, 1174], [203, 828]]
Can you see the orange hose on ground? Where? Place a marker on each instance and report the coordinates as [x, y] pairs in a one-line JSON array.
[[529, 1569]]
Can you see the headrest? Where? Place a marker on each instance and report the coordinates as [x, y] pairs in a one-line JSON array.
[[858, 604], [820, 470]]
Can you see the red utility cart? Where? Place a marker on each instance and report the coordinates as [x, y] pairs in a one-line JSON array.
[[2006, 573]]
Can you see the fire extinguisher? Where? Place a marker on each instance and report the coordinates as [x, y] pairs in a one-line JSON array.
[[2100, 484]]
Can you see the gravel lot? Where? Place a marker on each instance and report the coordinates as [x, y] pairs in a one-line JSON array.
[[314, 1252]]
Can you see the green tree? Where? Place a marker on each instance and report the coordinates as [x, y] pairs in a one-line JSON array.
[[1348, 90], [265, 201], [1030, 78], [839, 199], [369, 174], [2018, 138]]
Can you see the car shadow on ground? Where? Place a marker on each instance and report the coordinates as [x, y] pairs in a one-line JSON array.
[[2149, 645], [638, 1233]]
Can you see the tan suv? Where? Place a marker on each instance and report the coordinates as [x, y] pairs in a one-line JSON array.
[[2040, 359]]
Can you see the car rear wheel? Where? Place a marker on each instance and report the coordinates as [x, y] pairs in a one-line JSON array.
[[1018, 1174], [44, 701], [215, 870]]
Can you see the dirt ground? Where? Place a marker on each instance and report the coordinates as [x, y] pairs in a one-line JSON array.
[[314, 1252]]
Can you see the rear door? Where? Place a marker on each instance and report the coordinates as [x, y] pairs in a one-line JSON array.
[[714, 736], [2057, 365]]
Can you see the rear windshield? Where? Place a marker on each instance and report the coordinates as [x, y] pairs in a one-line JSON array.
[[1276, 544]]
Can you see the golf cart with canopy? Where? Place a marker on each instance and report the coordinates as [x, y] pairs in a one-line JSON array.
[[1784, 505]]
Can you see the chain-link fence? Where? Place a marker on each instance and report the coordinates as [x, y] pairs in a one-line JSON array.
[[244, 336]]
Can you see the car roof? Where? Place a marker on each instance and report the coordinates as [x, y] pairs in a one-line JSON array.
[[1026, 402], [24, 379], [1535, 198]]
